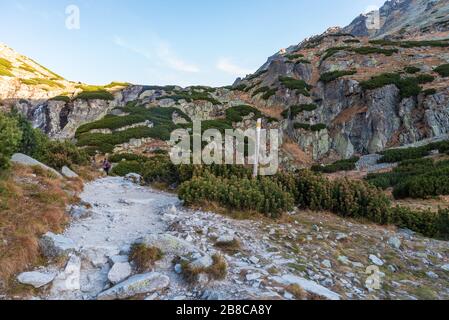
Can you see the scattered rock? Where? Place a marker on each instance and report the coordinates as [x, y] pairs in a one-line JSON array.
[[445, 267], [169, 244], [69, 279], [134, 178], [139, 284], [79, 212], [178, 268], [36, 279], [54, 246], [308, 286], [66, 172], [225, 239], [432, 275], [203, 262], [341, 236], [344, 260], [254, 260], [374, 259], [394, 242], [327, 264], [119, 272]]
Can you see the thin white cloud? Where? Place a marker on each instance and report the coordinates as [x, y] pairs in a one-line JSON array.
[[226, 65], [160, 52], [166, 54]]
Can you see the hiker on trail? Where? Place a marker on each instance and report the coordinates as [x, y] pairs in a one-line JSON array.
[[106, 166]]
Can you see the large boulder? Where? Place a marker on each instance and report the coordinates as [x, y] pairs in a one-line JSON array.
[[139, 284], [66, 172], [36, 279], [55, 245], [307, 285], [25, 160], [169, 244]]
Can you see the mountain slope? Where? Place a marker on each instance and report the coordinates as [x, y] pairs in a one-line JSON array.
[[400, 18]]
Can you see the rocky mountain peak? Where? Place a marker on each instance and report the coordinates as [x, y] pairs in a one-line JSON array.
[[403, 18]]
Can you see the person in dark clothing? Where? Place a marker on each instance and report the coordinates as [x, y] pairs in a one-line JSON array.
[[106, 166]]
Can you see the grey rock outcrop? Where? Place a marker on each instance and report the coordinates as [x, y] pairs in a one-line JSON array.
[[28, 161], [54, 246]]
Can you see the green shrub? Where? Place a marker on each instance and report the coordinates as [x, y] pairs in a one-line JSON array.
[[263, 195], [331, 51], [160, 169], [311, 191], [295, 110], [236, 114], [352, 41], [65, 99], [357, 199], [341, 165], [318, 127], [294, 56], [429, 224], [362, 50], [412, 44], [374, 50], [443, 70], [95, 95], [191, 96], [302, 61], [398, 155], [10, 137], [118, 157], [32, 139], [331, 76], [261, 90], [408, 86], [425, 78], [58, 154], [116, 84], [125, 167], [412, 70], [429, 92], [299, 85]]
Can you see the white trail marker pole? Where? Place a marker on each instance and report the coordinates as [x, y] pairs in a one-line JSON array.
[[256, 156]]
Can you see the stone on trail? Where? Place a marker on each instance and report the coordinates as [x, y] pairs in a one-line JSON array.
[[69, 279], [36, 279], [139, 284], [55, 245], [119, 272], [169, 244], [134, 178]]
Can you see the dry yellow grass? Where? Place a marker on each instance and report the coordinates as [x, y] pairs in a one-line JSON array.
[[32, 202]]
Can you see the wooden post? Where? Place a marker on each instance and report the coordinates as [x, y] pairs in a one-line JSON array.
[[257, 151]]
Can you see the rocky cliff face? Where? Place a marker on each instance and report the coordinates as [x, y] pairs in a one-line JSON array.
[[400, 18]]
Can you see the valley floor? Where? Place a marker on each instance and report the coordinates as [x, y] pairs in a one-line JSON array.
[[325, 255]]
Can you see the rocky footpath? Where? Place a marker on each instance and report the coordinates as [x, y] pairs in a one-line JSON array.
[[305, 255]]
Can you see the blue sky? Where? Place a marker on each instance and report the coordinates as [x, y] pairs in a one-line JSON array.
[[184, 42]]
